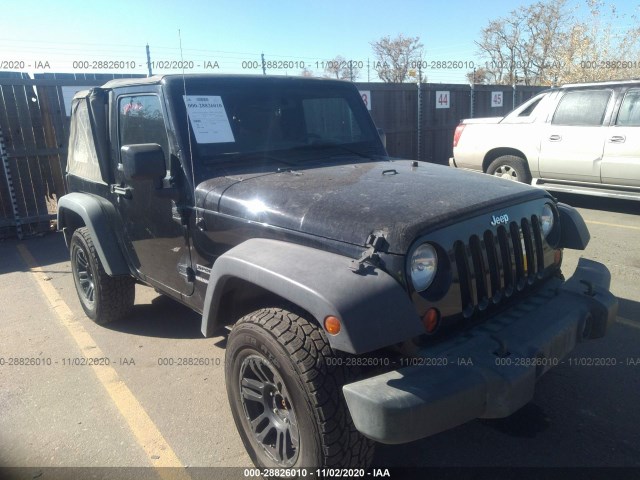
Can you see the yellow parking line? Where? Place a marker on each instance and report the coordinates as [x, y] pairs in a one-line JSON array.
[[612, 225], [628, 323], [158, 451]]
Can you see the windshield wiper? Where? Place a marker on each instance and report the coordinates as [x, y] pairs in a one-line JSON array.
[[257, 154], [327, 145]]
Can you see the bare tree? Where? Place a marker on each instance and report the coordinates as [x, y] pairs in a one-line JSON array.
[[478, 76], [599, 48], [342, 69], [306, 73], [548, 43], [395, 57]]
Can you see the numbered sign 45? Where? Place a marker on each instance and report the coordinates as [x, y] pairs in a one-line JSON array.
[[442, 99], [496, 99], [366, 98]]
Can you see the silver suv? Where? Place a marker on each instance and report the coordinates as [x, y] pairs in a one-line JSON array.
[[580, 138]]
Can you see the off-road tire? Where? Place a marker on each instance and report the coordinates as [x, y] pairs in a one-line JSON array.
[[510, 167], [301, 355], [112, 297]]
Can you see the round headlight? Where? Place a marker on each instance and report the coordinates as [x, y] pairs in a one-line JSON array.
[[424, 264], [546, 219]]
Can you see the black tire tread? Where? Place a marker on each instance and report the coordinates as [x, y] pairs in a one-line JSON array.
[[515, 161], [309, 349], [116, 294]]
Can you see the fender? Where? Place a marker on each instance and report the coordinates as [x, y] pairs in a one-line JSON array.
[[374, 309], [574, 232], [97, 215]]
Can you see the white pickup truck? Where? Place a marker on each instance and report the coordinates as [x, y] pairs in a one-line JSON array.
[[579, 138]]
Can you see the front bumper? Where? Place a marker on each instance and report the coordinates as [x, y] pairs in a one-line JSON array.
[[490, 371]]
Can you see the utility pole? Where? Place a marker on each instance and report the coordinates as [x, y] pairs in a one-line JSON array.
[[420, 110], [264, 65], [149, 60]]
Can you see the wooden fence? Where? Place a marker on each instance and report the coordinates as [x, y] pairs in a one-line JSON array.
[[34, 133]]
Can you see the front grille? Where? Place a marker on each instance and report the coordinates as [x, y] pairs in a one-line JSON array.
[[497, 264]]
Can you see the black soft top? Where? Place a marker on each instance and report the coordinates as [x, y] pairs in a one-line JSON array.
[[199, 77]]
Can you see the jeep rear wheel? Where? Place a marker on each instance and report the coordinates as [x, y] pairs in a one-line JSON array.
[[510, 167], [103, 298], [286, 395]]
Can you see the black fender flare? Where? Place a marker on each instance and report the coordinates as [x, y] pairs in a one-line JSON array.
[[574, 232], [98, 216], [374, 310]]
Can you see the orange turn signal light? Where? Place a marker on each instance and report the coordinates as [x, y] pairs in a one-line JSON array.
[[431, 320], [332, 325]]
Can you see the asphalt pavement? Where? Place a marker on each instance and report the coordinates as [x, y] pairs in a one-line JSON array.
[[146, 404]]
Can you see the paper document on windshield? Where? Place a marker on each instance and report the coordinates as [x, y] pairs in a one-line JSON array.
[[208, 119]]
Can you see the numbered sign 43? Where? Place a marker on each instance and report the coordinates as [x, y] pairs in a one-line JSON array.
[[366, 98], [442, 99]]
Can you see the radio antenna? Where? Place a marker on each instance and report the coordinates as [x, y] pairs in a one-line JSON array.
[[184, 99]]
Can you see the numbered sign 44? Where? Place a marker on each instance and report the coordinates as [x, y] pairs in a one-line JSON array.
[[442, 99]]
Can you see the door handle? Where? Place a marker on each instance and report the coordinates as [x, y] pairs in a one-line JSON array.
[[126, 192], [617, 139], [555, 138]]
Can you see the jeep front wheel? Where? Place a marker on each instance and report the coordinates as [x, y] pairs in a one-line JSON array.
[[103, 298], [286, 396]]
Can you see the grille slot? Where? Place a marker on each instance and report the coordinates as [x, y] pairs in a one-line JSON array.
[[464, 276], [494, 266], [499, 263], [530, 263], [518, 255], [479, 272], [537, 235], [507, 264]]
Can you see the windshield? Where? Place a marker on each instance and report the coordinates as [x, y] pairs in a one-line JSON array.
[[231, 119]]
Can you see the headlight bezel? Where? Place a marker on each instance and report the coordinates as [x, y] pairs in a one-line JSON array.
[[552, 233], [422, 285]]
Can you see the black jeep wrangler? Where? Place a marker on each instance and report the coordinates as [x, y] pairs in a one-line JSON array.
[[372, 299]]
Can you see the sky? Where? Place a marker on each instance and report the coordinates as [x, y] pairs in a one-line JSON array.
[[84, 36]]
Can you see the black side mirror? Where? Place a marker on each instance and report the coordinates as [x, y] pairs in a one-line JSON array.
[[144, 161], [383, 137]]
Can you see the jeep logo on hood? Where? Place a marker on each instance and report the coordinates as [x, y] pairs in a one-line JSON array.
[[498, 220]]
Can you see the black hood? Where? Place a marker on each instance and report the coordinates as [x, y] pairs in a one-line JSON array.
[[349, 202]]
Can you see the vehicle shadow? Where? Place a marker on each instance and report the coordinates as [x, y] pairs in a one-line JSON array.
[[590, 202], [629, 311], [47, 249], [162, 318]]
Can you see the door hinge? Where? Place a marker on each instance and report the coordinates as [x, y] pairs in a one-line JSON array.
[[188, 273], [377, 243]]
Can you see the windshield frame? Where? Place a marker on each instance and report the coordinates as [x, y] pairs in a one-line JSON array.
[[203, 153]]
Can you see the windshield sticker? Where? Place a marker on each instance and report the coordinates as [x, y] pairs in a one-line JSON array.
[[208, 119]]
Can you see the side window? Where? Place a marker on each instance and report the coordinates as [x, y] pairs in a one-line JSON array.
[[330, 119], [584, 108], [140, 120], [82, 159], [527, 111], [629, 115]]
